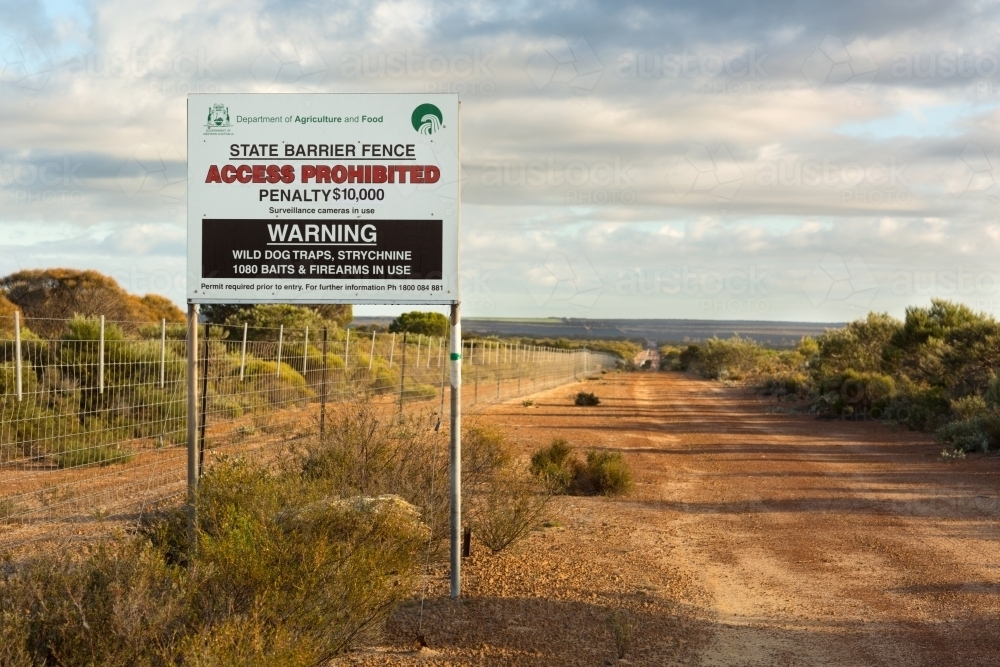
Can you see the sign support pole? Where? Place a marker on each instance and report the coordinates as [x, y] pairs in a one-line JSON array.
[[456, 452], [192, 420]]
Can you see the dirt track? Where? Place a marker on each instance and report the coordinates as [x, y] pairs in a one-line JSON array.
[[753, 538]]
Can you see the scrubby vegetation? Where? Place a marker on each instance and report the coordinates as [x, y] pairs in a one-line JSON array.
[[608, 473], [936, 370], [46, 296], [420, 322], [626, 350], [584, 398], [293, 564], [281, 575], [561, 470]]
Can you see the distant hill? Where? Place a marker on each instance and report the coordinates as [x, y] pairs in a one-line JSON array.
[[776, 334]]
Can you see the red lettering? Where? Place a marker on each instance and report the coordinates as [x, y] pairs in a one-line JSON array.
[[308, 171], [244, 173], [416, 174], [339, 173], [228, 173], [432, 174], [288, 174], [213, 175]]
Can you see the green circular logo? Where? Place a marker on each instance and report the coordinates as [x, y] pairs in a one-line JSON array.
[[427, 119]]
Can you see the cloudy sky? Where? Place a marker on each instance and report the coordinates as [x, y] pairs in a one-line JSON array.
[[714, 160]]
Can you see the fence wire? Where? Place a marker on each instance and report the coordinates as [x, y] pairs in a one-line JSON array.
[[93, 425]]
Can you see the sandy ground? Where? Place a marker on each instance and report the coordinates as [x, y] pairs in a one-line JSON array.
[[753, 538]]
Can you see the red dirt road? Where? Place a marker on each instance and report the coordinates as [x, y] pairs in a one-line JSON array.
[[753, 538]]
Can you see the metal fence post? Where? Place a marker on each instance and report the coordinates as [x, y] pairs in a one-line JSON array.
[[392, 348], [100, 360], [347, 348], [456, 452], [17, 352], [371, 353], [163, 352], [243, 352], [402, 376], [322, 394], [281, 337], [305, 356], [204, 404], [192, 422]]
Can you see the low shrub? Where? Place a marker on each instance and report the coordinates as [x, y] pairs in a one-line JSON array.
[[621, 626], [556, 466], [608, 473], [980, 432], [88, 456], [507, 509], [418, 391], [585, 399], [794, 384], [282, 575]]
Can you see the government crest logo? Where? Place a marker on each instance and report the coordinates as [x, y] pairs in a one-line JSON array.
[[218, 120]]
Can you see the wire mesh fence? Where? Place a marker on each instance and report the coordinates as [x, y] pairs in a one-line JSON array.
[[93, 424]]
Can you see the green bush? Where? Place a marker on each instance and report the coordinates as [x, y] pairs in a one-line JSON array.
[[282, 575], [980, 432], [556, 466], [88, 456], [586, 399], [733, 359], [608, 473], [788, 383], [418, 391], [367, 453], [507, 509]]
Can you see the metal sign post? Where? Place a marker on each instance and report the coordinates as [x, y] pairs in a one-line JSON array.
[[456, 451], [192, 420]]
